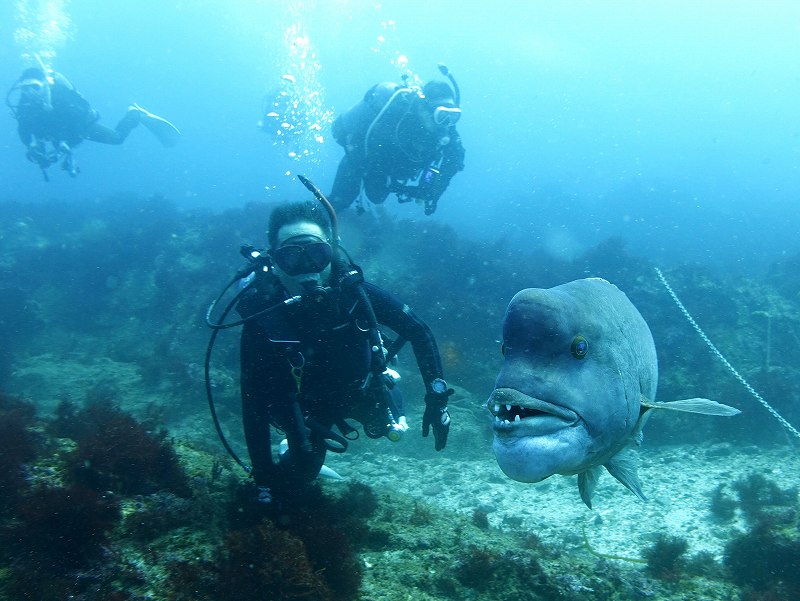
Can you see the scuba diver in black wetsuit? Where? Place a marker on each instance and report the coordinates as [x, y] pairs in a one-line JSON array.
[[312, 353], [53, 118], [399, 139]]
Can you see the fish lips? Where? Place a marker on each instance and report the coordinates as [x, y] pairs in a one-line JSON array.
[[535, 439], [518, 414]]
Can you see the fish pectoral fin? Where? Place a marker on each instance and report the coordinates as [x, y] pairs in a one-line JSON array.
[[587, 482], [696, 405], [623, 466]]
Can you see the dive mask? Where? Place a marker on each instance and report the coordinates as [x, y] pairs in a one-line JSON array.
[[304, 254], [31, 85], [446, 116]]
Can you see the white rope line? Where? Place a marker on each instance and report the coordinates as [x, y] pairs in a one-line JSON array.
[[725, 362]]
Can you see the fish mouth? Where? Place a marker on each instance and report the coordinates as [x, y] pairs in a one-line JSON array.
[[514, 410]]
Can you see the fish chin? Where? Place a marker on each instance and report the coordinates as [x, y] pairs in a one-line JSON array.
[[532, 458]]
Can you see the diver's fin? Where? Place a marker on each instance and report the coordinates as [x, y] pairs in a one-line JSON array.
[[696, 405], [162, 129], [587, 482], [623, 467], [330, 473], [324, 471]]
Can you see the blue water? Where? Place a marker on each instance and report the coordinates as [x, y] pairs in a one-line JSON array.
[[675, 125]]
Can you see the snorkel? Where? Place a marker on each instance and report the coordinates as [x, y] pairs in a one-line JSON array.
[[326, 204], [316, 289], [445, 114], [446, 72]]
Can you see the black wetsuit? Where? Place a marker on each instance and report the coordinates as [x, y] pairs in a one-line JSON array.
[[71, 119], [328, 340], [386, 146]]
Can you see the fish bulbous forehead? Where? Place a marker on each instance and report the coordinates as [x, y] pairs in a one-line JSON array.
[[537, 313]]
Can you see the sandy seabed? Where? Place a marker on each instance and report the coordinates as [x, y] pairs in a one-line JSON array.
[[677, 480]]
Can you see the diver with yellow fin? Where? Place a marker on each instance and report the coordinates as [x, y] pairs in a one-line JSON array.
[[53, 118]]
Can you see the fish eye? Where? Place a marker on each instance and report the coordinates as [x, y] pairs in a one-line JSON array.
[[579, 347]]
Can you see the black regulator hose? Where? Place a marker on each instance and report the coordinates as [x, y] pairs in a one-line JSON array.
[[11, 90], [207, 371], [216, 327]]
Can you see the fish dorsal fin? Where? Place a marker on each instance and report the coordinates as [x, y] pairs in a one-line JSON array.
[[696, 405], [587, 482], [623, 467]]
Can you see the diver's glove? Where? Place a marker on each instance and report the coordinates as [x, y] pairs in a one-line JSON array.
[[429, 196], [437, 417], [402, 424]]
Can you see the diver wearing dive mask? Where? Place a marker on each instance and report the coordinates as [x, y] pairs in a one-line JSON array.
[[306, 367], [53, 118], [308, 254], [302, 259], [446, 116], [394, 137]]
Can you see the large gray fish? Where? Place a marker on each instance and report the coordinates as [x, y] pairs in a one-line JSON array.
[[577, 385]]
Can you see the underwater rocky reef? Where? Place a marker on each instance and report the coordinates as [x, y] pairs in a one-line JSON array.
[[114, 487]]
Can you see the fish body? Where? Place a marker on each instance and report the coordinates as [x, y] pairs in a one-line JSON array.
[[576, 386]]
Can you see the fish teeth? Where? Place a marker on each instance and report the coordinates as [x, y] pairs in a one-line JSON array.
[[508, 407], [497, 408], [517, 418]]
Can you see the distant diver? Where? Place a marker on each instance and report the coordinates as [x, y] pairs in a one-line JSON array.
[[400, 139], [53, 118]]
